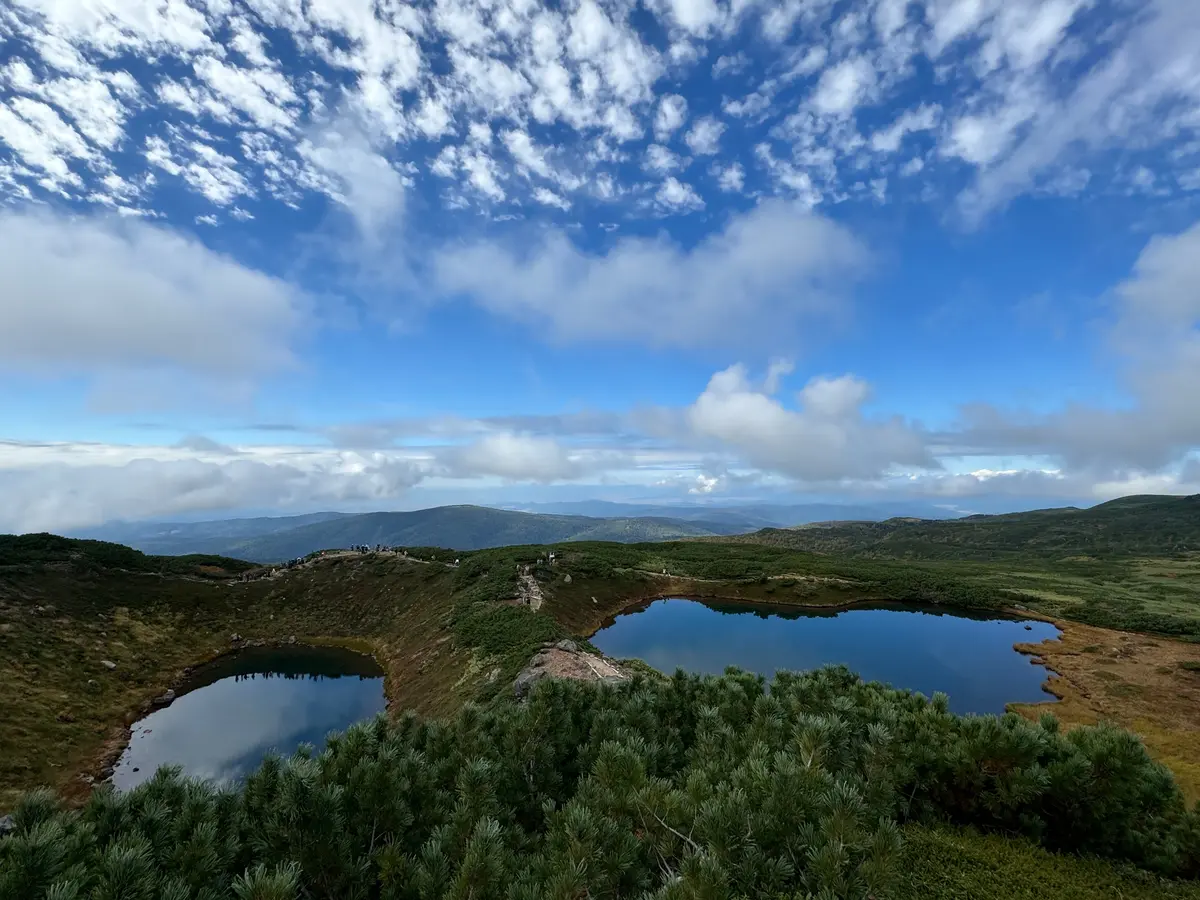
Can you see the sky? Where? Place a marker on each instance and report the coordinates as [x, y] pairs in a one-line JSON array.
[[290, 255]]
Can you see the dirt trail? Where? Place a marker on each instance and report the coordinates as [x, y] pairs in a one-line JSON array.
[[530, 592]]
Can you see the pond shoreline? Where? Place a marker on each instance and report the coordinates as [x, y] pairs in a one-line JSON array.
[[804, 636], [103, 764]]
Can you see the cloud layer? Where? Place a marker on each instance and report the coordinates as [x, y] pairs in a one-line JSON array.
[[777, 263], [111, 296], [518, 109]]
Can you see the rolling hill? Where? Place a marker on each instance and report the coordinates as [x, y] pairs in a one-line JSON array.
[[451, 527], [175, 538], [1145, 525]]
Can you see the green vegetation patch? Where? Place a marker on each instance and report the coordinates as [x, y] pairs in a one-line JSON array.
[[940, 863], [681, 787]]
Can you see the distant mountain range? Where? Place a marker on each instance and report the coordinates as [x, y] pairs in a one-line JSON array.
[[272, 539]]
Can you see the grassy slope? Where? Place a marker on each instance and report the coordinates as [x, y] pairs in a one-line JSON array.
[[1132, 564], [1129, 527], [960, 864]]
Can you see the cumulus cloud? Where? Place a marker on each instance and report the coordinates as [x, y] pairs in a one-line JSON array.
[[825, 438], [677, 196], [705, 135], [62, 486], [66, 486], [776, 264], [516, 457], [85, 295], [672, 112]]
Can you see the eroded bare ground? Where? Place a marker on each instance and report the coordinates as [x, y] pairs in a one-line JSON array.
[[566, 660], [1148, 684]]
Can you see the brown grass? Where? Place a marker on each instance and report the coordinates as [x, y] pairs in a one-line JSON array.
[[65, 715], [1134, 680]]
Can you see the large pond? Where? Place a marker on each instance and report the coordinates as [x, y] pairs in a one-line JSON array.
[[970, 658], [234, 711]]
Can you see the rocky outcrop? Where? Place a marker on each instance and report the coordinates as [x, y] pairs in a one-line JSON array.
[[565, 660]]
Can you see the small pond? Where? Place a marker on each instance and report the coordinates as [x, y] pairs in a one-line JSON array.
[[232, 712], [970, 658]]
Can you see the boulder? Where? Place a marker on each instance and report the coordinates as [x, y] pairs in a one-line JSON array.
[[235, 638], [108, 664], [526, 680], [567, 578], [7, 825], [164, 699], [569, 646]]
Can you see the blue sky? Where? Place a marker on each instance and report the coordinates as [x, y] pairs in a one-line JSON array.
[[274, 255]]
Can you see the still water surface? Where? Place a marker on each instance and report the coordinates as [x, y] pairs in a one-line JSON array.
[[237, 709], [971, 659]]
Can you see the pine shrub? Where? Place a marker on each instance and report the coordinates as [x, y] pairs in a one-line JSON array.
[[665, 788]]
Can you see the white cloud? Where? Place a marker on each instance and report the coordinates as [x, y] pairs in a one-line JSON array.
[[923, 118], [827, 438], [660, 160], [547, 197], [1122, 98], [844, 86], [696, 17], [775, 265], [356, 176], [732, 178], [516, 457], [677, 196], [672, 112], [705, 136], [1031, 89], [730, 65], [88, 296], [523, 150], [68, 486]]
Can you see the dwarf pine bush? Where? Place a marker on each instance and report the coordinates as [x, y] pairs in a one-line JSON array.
[[688, 787]]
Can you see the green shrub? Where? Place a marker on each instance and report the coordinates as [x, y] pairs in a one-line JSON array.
[[662, 787]]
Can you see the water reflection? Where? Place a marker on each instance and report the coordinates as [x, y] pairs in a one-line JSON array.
[[970, 657], [236, 710]]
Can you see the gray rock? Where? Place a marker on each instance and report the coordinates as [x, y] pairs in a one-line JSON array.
[[569, 646], [108, 664], [7, 825], [526, 680], [164, 699], [567, 578], [235, 638], [292, 639]]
